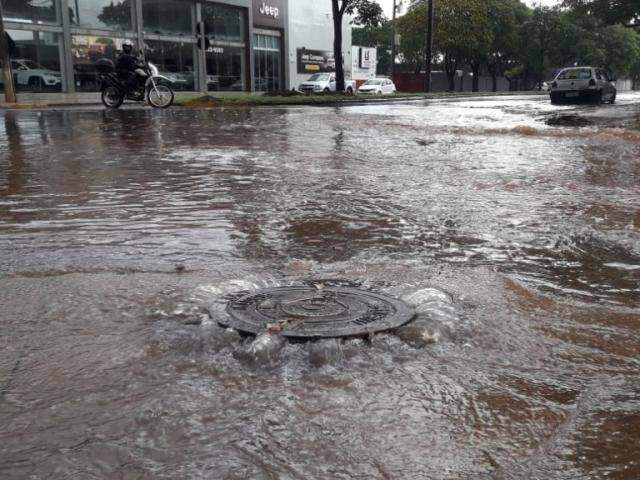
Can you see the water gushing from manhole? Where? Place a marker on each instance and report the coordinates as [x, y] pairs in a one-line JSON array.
[[308, 312]]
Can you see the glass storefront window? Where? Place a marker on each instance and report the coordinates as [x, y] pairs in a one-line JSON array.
[[106, 14], [268, 63], [169, 17], [30, 11], [221, 23], [225, 69], [175, 61], [36, 61], [86, 49]]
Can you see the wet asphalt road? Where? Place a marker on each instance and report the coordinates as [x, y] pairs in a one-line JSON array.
[[119, 229]]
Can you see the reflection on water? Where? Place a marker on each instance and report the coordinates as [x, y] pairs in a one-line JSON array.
[[119, 229]]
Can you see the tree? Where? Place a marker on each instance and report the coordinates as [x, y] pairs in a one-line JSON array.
[[117, 15], [413, 37], [378, 36], [505, 18], [609, 11], [462, 35], [621, 49], [367, 12], [547, 41], [634, 69]]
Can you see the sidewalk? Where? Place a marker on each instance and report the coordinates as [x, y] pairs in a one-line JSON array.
[[45, 100], [197, 100]]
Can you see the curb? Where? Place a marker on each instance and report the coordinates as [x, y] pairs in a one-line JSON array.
[[319, 103], [24, 106]]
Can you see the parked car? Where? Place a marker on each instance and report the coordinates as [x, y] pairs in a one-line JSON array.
[[377, 86], [180, 80], [213, 82], [29, 73], [261, 85], [325, 83], [583, 83]]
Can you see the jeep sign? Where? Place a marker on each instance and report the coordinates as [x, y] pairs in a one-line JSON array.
[[269, 10], [269, 13]]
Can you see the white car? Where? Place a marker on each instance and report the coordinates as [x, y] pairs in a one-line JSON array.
[[29, 73], [180, 81], [325, 83], [583, 83], [377, 86]]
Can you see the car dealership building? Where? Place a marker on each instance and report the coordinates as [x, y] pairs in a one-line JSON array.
[[202, 46]]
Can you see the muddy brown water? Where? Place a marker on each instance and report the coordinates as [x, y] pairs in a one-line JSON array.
[[119, 229]]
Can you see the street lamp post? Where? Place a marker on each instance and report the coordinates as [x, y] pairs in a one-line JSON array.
[[9, 89], [429, 50], [393, 41]]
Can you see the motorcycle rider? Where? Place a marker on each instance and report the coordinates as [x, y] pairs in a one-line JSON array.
[[128, 66]]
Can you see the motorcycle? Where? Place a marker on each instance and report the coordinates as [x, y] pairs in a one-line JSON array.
[[148, 86]]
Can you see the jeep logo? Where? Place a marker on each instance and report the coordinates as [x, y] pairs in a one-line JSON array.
[[269, 11]]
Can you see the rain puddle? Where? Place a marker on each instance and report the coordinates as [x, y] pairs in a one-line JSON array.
[[124, 235]]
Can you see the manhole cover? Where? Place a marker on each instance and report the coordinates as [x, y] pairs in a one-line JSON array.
[[306, 312]]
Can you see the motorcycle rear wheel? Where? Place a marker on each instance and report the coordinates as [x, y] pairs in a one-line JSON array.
[[112, 97], [160, 97]]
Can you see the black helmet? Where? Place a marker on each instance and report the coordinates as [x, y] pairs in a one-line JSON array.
[[127, 46]]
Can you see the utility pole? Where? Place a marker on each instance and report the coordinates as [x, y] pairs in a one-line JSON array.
[[393, 41], [9, 89], [429, 50]]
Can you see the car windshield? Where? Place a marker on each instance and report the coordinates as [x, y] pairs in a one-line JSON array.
[[374, 82], [31, 65], [575, 74], [319, 77]]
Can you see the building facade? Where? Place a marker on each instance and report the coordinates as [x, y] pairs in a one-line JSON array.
[[201, 45]]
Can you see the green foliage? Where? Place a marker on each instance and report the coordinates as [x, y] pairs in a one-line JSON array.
[[553, 39], [508, 38], [608, 11], [413, 36], [377, 36], [505, 19], [463, 29], [634, 68], [621, 49], [117, 15], [365, 12], [463, 34]]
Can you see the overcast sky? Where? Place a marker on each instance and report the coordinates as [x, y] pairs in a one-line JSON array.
[[388, 4]]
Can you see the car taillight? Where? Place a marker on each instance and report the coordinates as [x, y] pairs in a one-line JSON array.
[[592, 83]]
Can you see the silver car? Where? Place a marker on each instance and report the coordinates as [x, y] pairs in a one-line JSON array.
[[583, 83]]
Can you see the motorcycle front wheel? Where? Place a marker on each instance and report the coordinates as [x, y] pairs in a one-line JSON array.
[[160, 97], [112, 97]]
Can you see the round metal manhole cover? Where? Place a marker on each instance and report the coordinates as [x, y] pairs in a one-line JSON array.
[[306, 312]]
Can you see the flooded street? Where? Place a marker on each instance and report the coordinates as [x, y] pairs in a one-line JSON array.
[[118, 229]]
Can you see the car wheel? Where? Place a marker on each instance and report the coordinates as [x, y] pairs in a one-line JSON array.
[[35, 83], [598, 98], [349, 91], [326, 91], [613, 98]]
